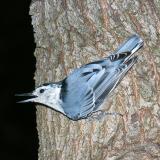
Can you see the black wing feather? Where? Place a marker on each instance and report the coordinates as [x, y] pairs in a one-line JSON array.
[[85, 89], [85, 95]]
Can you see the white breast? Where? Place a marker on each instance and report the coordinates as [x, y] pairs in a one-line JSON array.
[[52, 99]]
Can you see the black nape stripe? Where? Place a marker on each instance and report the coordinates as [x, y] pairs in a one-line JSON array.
[[45, 84]]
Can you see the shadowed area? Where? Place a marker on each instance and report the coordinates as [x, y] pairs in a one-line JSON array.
[[18, 135]]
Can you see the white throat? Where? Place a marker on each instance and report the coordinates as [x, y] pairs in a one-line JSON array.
[[52, 99]]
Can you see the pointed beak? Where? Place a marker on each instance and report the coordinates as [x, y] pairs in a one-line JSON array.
[[30, 97]]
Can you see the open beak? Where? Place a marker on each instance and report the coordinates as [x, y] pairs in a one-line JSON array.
[[30, 97]]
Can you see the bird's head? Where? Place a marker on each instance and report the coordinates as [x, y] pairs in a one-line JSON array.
[[47, 94]]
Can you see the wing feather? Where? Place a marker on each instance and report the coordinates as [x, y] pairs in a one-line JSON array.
[[85, 89], [91, 87]]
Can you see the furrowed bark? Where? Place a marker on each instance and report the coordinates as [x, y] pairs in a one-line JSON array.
[[69, 33]]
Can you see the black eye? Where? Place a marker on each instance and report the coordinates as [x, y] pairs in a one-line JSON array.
[[41, 90]]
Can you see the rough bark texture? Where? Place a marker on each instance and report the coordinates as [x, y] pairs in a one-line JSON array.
[[69, 33]]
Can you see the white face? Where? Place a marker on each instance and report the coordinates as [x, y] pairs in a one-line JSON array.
[[49, 95], [42, 91]]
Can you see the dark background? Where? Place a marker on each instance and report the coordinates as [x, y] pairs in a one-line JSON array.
[[18, 134]]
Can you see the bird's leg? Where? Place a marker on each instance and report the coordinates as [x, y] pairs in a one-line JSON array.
[[98, 115]]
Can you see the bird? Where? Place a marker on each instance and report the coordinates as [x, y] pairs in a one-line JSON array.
[[83, 91]]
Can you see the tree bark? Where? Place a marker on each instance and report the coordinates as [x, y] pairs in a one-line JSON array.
[[69, 33]]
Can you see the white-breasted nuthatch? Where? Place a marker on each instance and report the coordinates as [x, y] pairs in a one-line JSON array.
[[84, 90]]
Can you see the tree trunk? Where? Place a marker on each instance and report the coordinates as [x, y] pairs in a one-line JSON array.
[[69, 33]]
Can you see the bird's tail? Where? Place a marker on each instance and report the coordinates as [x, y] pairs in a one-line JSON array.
[[132, 44], [128, 48]]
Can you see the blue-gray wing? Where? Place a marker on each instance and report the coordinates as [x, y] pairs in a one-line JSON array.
[[86, 88]]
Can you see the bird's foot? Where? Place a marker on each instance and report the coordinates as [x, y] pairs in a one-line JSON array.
[[101, 114]]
